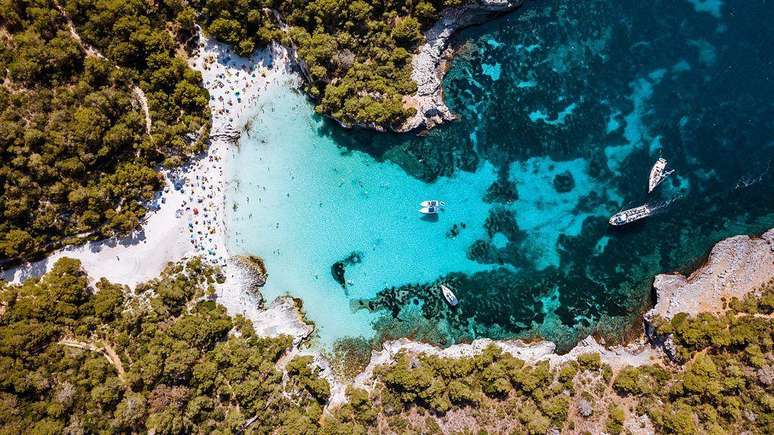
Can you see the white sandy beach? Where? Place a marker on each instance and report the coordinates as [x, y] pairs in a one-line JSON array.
[[187, 216]]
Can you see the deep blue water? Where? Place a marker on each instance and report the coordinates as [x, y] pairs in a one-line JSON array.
[[563, 108]]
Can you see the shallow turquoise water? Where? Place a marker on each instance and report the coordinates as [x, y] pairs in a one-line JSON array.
[[563, 108]]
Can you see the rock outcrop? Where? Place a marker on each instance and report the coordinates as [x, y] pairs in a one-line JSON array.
[[429, 64], [283, 317], [736, 266], [635, 354]]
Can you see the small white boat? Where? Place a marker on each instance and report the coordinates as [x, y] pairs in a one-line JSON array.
[[657, 174], [430, 210], [449, 295], [432, 203]]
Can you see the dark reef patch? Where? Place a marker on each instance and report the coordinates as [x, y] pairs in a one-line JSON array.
[[564, 182], [338, 269]]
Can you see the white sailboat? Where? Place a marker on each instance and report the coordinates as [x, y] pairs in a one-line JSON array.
[[658, 174], [449, 295]]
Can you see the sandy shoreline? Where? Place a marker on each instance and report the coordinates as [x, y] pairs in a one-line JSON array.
[[186, 217]]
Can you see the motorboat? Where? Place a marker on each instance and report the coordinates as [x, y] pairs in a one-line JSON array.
[[449, 295], [430, 210], [631, 215], [432, 203]]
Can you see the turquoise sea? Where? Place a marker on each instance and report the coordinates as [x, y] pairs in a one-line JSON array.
[[563, 106]]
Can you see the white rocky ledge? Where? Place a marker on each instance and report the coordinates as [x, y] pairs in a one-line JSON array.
[[736, 266], [429, 64]]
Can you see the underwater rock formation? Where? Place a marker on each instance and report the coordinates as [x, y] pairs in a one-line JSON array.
[[564, 182], [338, 269], [502, 191]]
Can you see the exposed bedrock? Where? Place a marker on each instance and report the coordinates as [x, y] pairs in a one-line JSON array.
[[735, 267], [429, 64], [634, 354], [284, 316]]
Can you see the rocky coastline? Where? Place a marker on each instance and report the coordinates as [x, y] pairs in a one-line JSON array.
[[735, 267], [430, 63]]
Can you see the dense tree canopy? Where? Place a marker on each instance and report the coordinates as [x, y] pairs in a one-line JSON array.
[[76, 160], [163, 358], [357, 54], [166, 358]]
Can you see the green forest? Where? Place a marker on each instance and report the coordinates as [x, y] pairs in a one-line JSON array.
[[163, 358], [78, 160], [166, 358], [357, 53]]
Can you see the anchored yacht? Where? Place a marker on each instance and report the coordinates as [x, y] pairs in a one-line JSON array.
[[657, 174], [432, 203], [633, 214], [432, 206], [449, 295]]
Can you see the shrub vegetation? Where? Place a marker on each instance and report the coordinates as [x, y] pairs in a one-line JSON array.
[[76, 161], [167, 359]]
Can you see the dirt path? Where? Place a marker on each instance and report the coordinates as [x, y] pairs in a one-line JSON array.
[[90, 51], [138, 94], [107, 351]]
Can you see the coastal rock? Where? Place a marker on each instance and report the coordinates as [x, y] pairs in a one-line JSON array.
[[257, 269], [429, 64], [736, 266], [283, 317]]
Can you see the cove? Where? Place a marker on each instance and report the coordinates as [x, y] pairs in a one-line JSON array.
[[562, 109]]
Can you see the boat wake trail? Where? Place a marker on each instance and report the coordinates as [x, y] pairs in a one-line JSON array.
[[660, 206]]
